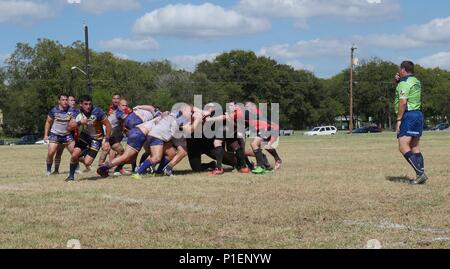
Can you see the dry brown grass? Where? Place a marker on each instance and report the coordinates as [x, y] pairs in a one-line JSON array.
[[331, 193]]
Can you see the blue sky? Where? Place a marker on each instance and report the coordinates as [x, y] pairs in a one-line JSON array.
[[307, 34]]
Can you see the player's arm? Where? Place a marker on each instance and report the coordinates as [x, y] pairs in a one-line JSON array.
[[401, 111], [73, 123], [216, 118], [189, 128], [197, 110], [402, 103], [107, 124], [146, 107], [48, 124]]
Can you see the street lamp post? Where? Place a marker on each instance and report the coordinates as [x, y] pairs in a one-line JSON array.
[[72, 70], [86, 63], [351, 88]]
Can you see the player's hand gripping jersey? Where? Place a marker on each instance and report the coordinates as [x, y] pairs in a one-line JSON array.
[[137, 117]]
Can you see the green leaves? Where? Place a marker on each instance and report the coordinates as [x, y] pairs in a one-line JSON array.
[[37, 75]]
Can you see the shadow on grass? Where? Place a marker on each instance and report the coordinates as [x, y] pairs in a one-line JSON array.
[[191, 172], [95, 178], [403, 179]]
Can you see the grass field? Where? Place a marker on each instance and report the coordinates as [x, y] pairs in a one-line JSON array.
[[332, 192]]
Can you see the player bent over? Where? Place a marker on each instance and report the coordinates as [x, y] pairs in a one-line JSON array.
[[116, 118], [234, 142], [175, 125], [136, 139], [91, 121], [175, 151]]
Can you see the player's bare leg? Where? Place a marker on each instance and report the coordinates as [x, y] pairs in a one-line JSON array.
[[52, 149]]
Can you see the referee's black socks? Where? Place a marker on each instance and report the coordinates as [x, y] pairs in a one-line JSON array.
[[415, 162]]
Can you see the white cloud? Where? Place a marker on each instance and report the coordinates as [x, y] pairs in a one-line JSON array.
[[441, 59], [189, 62], [298, 65], [206, 20], [398, 42], [354, 9], [433, 33], [301, 24], [121, 56], [143, 44], [437, 30], [21, 11], [308, 49], [102, 6]]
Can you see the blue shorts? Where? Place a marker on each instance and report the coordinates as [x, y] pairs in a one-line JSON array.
[[155, 141], [412, 124], [136, 139], [132, 121], [60, 139]]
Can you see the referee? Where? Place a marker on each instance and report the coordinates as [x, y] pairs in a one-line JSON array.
[[410, 118]]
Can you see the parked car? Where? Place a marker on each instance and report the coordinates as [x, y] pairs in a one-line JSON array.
[[367, 129], [322, 130], [441, 126], [40, 142], [27, 140], [286, 132], [427, 128]]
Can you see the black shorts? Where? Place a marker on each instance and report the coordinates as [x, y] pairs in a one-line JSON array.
[[88, 145], [116, 135], [233, 144], [264, 135]]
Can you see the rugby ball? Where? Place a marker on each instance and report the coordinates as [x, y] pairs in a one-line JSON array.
[[79, 117]]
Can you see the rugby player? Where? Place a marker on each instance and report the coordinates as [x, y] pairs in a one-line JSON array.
[[114, 103], [167, 127], [265, 130], [91, 135], [116, 118], [234, 141], [140, 114], [59, 138], [171, 129]]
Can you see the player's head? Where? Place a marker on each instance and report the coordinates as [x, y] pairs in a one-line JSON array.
[[123, 106], [62, 101], [232, 106], [72, 101], [210, 107], [250, 105], [406, 68], [86, 103], [182, 109], [116, 99]]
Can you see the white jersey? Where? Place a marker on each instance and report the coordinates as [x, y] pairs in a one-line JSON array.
[[147, 125], [168, 127], [144, 115]]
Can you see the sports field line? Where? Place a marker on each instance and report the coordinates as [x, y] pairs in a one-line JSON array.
[[395, 226]]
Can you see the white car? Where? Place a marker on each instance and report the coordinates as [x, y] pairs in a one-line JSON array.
[[322, 130]]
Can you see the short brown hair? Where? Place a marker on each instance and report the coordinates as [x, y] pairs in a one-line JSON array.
[[408, 66]]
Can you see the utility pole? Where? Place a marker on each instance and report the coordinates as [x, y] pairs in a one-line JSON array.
[[351, 88], [86, 62]]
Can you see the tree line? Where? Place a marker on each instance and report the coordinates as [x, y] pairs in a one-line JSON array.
[[33, 77]]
